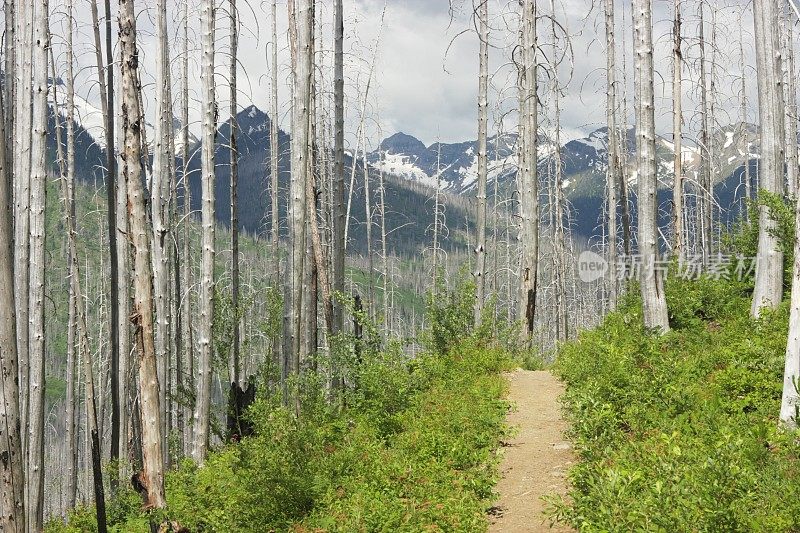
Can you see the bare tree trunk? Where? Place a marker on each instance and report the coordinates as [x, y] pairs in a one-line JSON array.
[[338, 170], [528, 173], [436, 216], [186, 384], [274, 190], [152, 475], [209, 109], [9, 81], [483, 108], [22, 197], [126, 366], [107, 107], [71, 429], [769, 266], [234, 160], [300, 156], [677, 124], [67, 179], [559, 263], [612, 175], [748, 193], [705, 149], [654, 304], [12, 474], [36, 338], [368, 223], [790, 88], [159, 206]]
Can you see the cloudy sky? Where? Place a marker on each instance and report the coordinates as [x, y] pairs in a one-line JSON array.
[[424, 79]]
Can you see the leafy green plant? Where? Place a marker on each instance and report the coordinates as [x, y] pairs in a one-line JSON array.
[[680, 432]]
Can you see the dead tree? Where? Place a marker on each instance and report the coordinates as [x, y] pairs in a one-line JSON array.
[[654, 304], [768, 289], [152, 476], [12, 475], [527, 176], [208, 108], [36, 296], [483, 112]]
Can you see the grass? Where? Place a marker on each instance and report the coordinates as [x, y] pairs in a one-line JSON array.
[[680, 432], [409, 447]]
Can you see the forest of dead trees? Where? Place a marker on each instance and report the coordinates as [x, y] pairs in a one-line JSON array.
[[152, 323]]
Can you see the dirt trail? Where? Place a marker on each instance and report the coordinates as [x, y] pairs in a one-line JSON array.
[[536, 460]]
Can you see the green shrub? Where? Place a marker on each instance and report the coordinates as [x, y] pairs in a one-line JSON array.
[[679, 433], [410, 447]]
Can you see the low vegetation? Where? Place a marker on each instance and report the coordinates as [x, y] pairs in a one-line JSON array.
[[409, 446], [680, 432]]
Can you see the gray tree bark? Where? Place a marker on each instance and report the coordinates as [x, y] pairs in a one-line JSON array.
[[234, 161], [186, 378], [527, 175], [22, 196], [654, 304], [338, 168], [677, 134], [208, 109], [769, 266], [612, 174], [483, 113], [152, 475], [159, 206], [302, 71], [36, 297], [12, 475]]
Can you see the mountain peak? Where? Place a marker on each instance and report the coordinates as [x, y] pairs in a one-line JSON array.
[[402, 143]]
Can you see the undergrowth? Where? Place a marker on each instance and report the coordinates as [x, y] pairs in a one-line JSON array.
[[410, 447], [680, 432]]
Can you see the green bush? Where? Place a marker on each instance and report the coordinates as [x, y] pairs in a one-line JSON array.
[[409, 448], [680, 432]]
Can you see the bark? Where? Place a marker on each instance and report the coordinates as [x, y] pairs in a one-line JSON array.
[[559, 266], [22, 196], [186, 378], [769, 266], [748, 193], [208, 109], [654, 304], [704, 223], [36, 338], [152, 475], [12, 475], [437, 216], [528, 174], [67, 180], [338, 169], [300, 156], [107, 108], [159, 205], [368, 223], [613, 156], [126, 387], [790, 87], [273, 159], [9, 67], [234, 160], [71, 428], [677, 124], [483, 112], [384, 257]]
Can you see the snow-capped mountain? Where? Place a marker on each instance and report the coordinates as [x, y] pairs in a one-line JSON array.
[[452, 167], [584, 161], [90, 118]]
